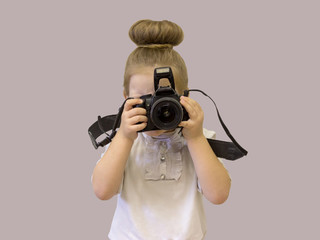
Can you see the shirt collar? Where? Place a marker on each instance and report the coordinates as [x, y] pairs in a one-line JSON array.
[[173, 140]]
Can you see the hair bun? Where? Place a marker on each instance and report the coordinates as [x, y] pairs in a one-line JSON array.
[[146, 33]]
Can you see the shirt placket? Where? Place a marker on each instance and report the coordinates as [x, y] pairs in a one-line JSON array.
[[163, 160]]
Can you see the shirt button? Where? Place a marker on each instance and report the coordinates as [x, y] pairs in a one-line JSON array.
[[163, 158], [162, 176]]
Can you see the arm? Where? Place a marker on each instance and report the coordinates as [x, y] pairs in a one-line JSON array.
[[213, 177], [108, 173]]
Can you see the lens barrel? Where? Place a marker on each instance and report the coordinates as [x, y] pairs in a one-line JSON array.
[[166, 113]]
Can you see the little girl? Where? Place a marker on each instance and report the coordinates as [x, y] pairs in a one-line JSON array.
[[159, 176]]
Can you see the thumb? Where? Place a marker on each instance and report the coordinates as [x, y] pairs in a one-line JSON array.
[[183, 124]]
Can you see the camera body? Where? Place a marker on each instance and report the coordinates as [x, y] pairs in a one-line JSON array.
[[164, 110]]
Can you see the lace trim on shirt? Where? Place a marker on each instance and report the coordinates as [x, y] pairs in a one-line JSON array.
[[163, 157]]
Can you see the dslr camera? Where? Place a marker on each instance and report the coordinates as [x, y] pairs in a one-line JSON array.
[[164, 110]]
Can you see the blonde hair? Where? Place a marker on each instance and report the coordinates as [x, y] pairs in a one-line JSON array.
[[155, 41]]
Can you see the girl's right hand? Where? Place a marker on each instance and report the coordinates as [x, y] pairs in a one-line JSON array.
[[132, 119]]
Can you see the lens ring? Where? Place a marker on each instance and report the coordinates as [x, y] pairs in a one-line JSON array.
[[166, 113]]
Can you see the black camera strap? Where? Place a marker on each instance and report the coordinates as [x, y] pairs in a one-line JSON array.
[[103, 126], [227, 150], [243, 151]]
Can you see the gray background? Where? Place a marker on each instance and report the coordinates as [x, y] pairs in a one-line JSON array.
[[62, 65]]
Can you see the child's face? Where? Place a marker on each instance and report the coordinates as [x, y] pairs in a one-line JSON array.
[[142, 84]]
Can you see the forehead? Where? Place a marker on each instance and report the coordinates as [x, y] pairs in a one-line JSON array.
[[141, 83]]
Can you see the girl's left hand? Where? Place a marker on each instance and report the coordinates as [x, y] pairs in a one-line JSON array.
[[193, 127]]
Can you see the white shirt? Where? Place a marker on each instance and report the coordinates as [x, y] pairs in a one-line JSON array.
[[160, 197]]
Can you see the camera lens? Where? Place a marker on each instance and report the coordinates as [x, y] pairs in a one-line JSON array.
[[166, 113]]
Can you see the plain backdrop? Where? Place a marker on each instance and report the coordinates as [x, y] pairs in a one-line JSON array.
[[62, 64]]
